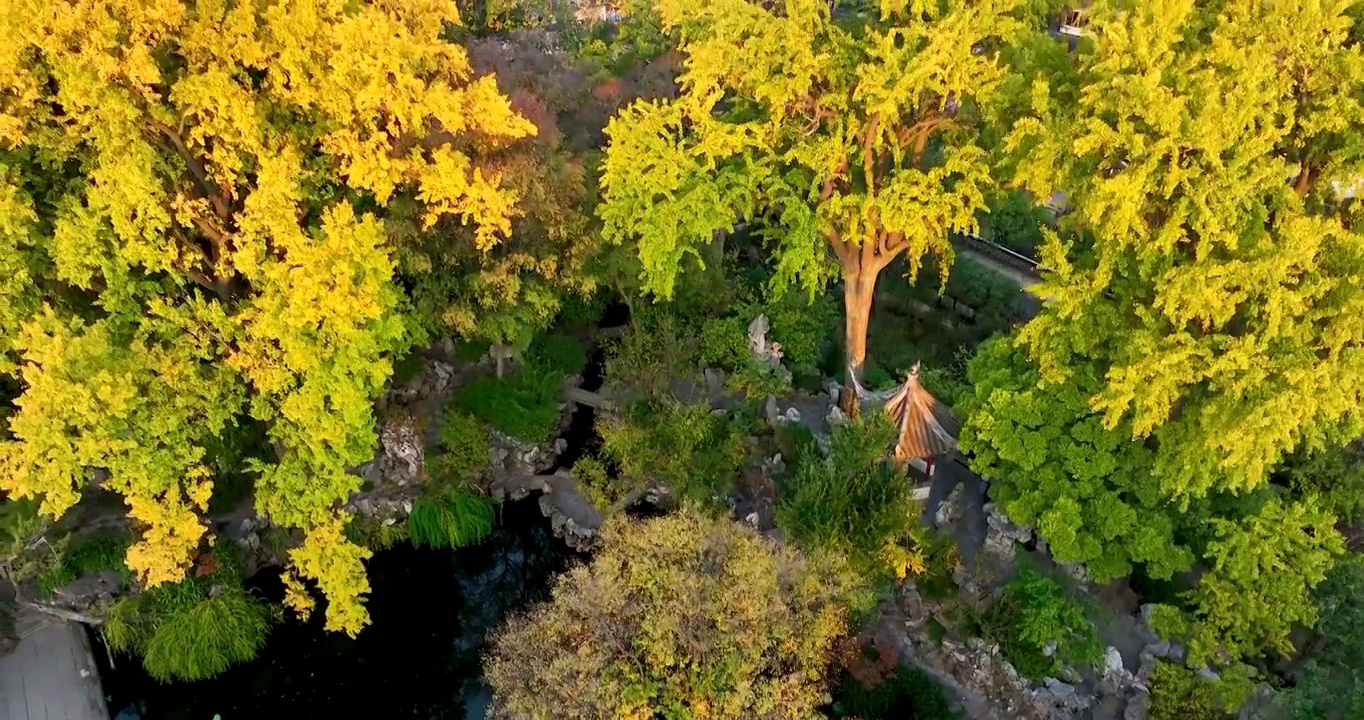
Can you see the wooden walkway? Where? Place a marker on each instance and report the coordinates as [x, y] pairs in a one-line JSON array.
[[52, 674]]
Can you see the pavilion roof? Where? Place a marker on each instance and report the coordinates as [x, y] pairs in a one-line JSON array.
[[927, 428]]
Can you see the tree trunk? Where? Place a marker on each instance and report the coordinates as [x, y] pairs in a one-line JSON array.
[[499, 352], [858, 288]]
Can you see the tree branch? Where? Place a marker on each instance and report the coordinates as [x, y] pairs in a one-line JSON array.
[[196, 168], [1306, 179], [868, 144]]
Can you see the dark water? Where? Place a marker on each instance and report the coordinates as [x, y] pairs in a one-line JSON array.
[[420, 658]]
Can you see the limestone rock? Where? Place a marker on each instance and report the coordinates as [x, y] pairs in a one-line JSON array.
[[1138, 706], [949, 511], [403, 453], [1001, 534]]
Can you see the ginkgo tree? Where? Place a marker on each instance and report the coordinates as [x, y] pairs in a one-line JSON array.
[[191, 237], [1205, 304], [850, 139]]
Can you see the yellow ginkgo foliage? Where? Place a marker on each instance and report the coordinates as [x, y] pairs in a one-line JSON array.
[[191, 241]]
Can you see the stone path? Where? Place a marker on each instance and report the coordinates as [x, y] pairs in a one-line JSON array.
[[52, 674]]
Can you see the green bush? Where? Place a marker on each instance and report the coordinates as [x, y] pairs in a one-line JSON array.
[[464, 449], [1034, 612], [600, 487], [87, 556], [852, 501], [408, 368], [192, 629], [994, 296], [906, 695], [805, 329], [724, 342], [452, 520], [658, 348], [686, 448], [525, 405], [558, 353], [1178, 693], [756, 380]]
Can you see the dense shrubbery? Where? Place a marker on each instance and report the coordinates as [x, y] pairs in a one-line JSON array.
[[194, 628], [85, 556], [1178, 693], [691, 451], [854, 501], [1033, 613], [558, 353], [681, 616], [657, 349], [524, 406], [464, 450]]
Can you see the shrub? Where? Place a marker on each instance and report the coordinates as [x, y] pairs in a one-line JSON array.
[[464, 449], [450, 520], [1178, 693], [1033, 613], [87, 556], [756, 380], [558, 353], [525, 405], [685, 448], [657, 348], [724, 342], [993, 296], [675, 617], [192, 629], [854, 501], [804, 328]]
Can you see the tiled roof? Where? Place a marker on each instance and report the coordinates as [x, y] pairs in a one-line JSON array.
[[927, 429]]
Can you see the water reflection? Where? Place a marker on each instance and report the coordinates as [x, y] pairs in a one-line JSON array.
[[432, 611]]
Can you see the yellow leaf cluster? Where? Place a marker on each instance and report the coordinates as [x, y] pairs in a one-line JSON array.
[[222, 148], [337, 566]]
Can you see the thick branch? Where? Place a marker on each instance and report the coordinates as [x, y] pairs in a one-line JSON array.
[[841, 248], [196, 168], [868, 145], [1306, 179]]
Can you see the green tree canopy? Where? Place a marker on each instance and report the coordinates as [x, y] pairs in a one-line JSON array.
[[1209, 272], [853, 139], [1205, 312], [190, 232]]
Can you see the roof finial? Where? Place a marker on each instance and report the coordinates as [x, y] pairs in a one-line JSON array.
[[914, 371]]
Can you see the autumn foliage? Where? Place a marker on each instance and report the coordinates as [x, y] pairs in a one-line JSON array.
[[191, 229]]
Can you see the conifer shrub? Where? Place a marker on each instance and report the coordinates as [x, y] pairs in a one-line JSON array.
[[464, 450], [688, 449], [658, 348], [195, 628], [1034, 612], [1179, 693], [854, 501]]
